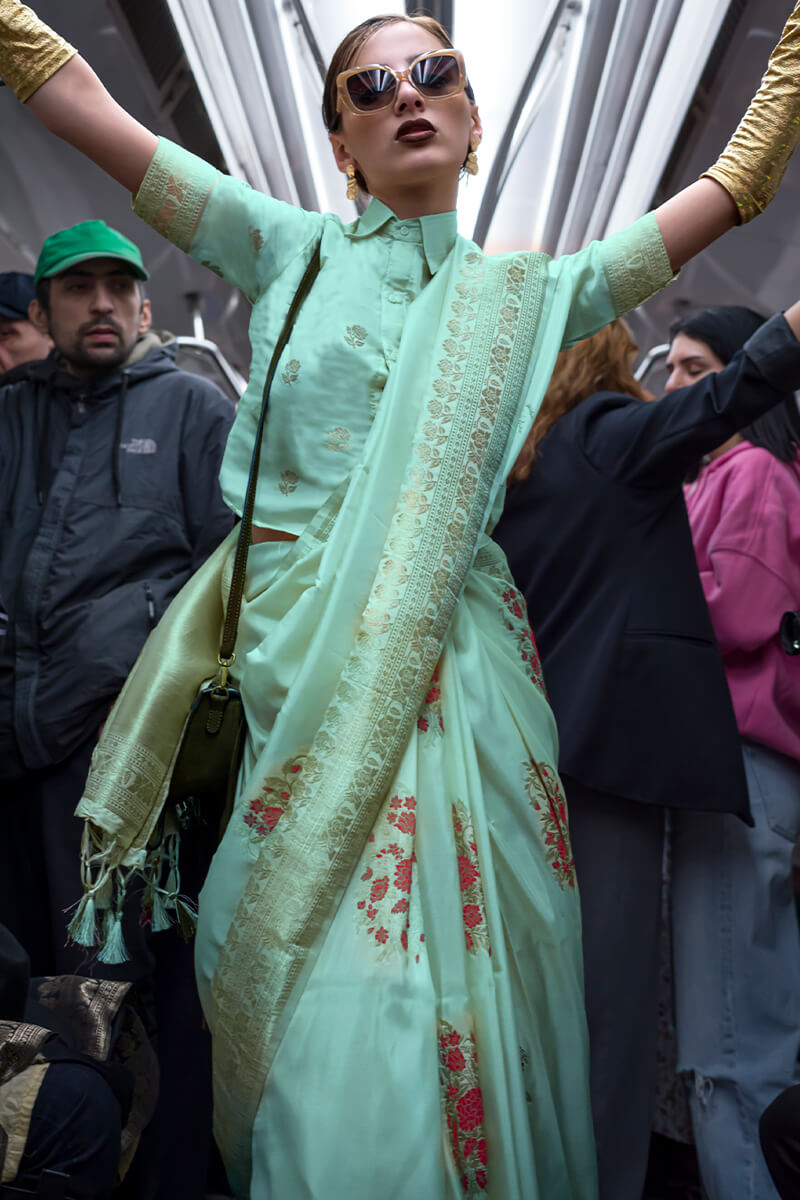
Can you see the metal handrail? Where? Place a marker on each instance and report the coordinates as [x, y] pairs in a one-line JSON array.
[[494, 183], [653, 355]]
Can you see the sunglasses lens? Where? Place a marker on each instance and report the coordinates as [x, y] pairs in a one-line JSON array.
[[439, 75], [371, 90]]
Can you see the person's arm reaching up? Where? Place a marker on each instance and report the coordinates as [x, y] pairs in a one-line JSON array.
[[63, 92], [745, 177], [67, 97], [654, 444], [243, 235]]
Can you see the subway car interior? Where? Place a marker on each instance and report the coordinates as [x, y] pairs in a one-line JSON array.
[[593, 112]]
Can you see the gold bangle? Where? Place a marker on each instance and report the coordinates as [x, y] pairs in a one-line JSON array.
[[30, 51], [752, 164]]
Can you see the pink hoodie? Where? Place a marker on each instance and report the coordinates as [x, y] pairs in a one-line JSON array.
[[745, 516]]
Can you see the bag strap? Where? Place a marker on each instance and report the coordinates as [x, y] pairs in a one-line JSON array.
[[227, 653]]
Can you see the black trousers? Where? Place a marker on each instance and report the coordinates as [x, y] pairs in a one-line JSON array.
[[779, 1131], [618, 847], [39, 883], [40, 868]]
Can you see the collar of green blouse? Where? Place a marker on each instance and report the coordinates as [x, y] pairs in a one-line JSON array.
[[436, 232]]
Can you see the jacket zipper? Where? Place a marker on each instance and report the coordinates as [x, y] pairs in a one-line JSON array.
[[151, 605]]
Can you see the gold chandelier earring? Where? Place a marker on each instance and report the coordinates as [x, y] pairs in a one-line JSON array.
[[471, 165], [352, 183]]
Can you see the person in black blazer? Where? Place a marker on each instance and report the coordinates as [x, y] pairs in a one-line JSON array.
[[597, 537]]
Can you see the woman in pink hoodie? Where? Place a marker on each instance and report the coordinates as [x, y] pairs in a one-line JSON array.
[[737, 945]]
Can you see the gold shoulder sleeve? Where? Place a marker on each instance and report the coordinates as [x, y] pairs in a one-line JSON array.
[[30, 51], [752, 164]]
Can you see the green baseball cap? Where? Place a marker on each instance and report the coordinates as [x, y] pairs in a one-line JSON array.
[[87, 239]]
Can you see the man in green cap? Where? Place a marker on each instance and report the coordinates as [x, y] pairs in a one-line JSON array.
[[109, 456], [89, 296]]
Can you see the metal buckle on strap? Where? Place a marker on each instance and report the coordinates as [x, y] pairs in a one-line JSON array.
[[225, 666]]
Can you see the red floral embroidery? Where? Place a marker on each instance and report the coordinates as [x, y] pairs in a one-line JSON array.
[[385, 910], [463, 1107], [263, 813], [379, 889], [517, 621], [431, 715], [402, 877], [476, 935], [470, 1109], [406, 822], [467, 873], [548, 801], [472, 916], [455, 1060]]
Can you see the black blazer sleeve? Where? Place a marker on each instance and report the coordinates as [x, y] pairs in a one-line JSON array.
[[651, 444]]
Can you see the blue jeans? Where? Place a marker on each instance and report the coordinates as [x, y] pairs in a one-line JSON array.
[[737, 971]]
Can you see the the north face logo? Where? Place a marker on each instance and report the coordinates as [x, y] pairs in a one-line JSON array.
[[139, 446]]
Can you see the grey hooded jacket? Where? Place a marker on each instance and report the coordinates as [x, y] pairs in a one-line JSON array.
[[109, 500]]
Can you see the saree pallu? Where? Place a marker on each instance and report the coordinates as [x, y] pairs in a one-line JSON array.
[[438, 1044]]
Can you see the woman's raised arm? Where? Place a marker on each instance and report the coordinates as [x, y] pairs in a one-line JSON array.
[[75, 105], [745, 177], [695, 218], [63, 92]]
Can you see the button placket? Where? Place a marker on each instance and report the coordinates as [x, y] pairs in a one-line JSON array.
[[403, 282]]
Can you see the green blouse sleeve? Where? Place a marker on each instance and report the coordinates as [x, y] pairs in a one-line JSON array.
[[611, 277], [240, 234]]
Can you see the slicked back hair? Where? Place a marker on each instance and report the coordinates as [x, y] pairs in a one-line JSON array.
[[347, 51]]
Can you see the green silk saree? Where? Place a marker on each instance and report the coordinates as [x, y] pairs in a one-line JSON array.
[[349, 643]]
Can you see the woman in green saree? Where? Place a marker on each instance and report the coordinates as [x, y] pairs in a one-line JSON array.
[[388, 946]]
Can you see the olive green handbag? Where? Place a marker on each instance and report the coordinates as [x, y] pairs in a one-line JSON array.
[[207, 763]]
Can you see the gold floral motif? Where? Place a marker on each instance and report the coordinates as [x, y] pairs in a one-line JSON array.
[[338, 439], [473, 910], [635, 271], [288, 482], [256, 238], [174, 193], [547, 798], [463, 1107], [355, 335], [174, 196], [291, 371]]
